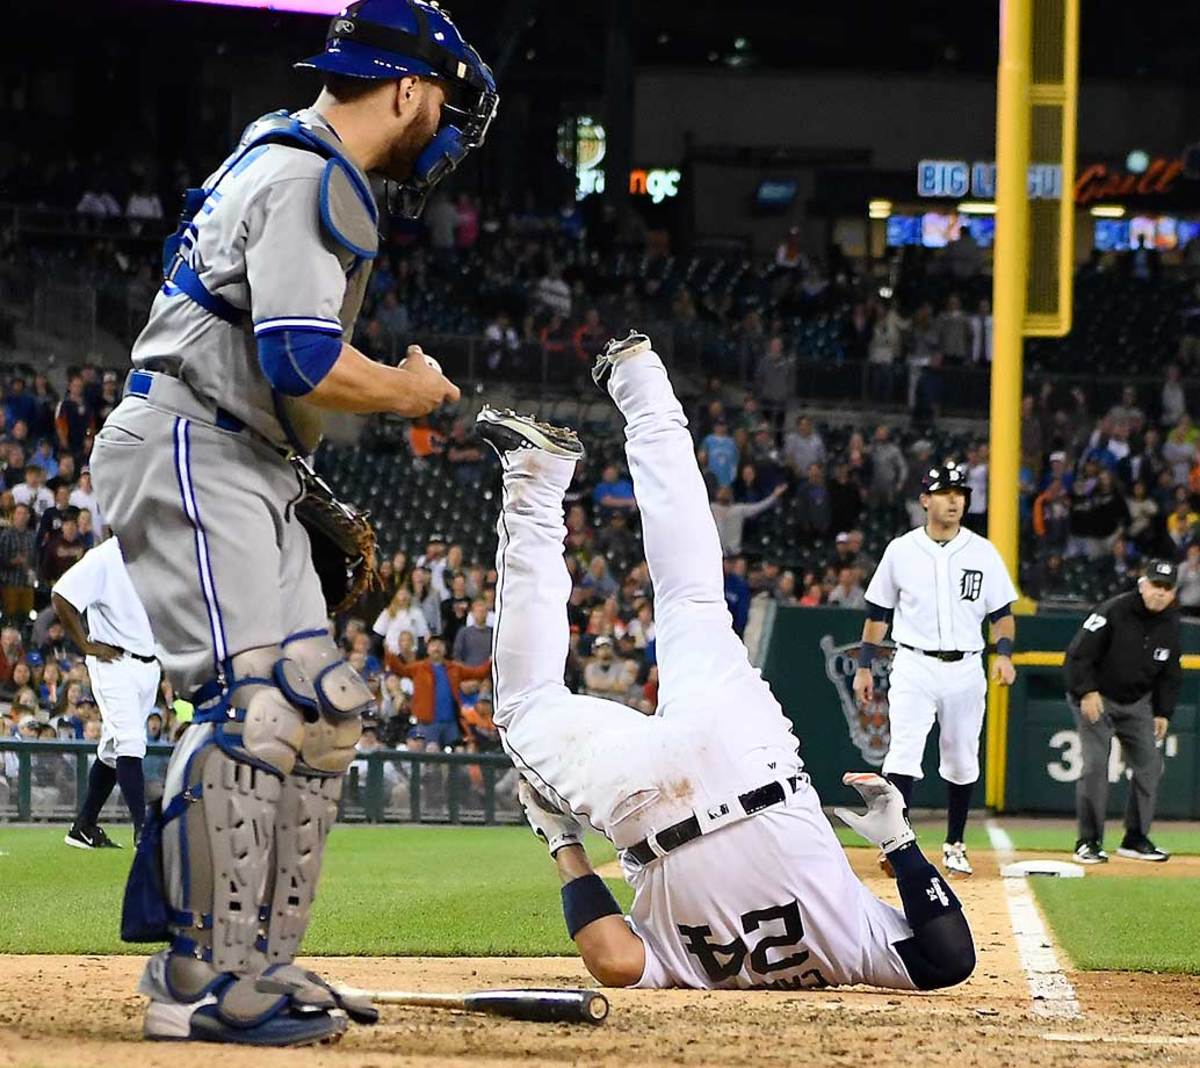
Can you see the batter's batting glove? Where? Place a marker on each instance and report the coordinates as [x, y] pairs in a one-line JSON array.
[[883, 823], [557, 829]]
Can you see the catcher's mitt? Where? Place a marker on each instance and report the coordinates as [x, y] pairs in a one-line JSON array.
[[343, 541]]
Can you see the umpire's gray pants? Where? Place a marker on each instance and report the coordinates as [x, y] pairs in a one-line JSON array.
[[1133, 724]]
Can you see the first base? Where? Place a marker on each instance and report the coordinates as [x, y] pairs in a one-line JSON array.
[[1062, 869]]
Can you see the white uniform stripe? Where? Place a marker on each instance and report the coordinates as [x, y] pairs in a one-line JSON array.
[[207, 587], [267, 325]]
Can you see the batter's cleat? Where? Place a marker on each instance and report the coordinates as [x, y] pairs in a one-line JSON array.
[[1090, 853], [1142, 849], [615, 351], [89, 838], [505, 431], [954, 857], [884, 823]]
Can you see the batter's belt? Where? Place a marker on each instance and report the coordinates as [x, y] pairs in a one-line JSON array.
[[662, 842]]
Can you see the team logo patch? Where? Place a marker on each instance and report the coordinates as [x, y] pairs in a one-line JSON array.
[[970, 585], [343, 27], [868, 726]]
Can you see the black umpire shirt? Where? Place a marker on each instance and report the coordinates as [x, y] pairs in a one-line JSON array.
[[1125, 651]]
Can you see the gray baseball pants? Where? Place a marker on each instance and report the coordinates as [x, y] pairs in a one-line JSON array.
[[1133, 724]]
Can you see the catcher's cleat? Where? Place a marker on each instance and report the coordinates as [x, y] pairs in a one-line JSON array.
[[505, 431], [954, 857], [614, 352]]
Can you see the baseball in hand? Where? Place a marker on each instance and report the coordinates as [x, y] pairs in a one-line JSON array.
[[434, 364]]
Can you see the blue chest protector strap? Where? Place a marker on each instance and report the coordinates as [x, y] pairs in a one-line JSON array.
[[346, 204]]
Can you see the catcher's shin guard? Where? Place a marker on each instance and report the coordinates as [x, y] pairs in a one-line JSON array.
[[250, 793]]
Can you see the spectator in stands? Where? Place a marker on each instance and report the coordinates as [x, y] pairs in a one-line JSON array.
[[1145, 463], [613, 493], [1098, 514], [977, 480], [954, 333], [144, 203], [846, 496], [399, 616], [1189, 581], [981, 333], [849, 592], [590, 337], [83, 497], [617, 542], [731, 518], [597, 580], [466, 230], [557, 341], [884, 352], [455, 609], [1182, 522], [888, 469], [605, 675], [19, 406], [473, 642], [33, 492], [641, 628], [804, 447], [1179, 450], [1052, 518], [441, 222], [393, 318], [722, 453], [52, 518], [18, 562], [814, 502], [501, 344], [426, 598], [1143, 519], [62, 549], [437, 697], [1173, 400], [737, 592], [775, 381], [923, 349], [464, 455], [552, 294], [74, 421]]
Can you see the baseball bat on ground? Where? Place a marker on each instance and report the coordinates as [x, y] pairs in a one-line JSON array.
[[542, 1006]]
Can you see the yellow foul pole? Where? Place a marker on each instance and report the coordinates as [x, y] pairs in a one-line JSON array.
[[1008, 309]]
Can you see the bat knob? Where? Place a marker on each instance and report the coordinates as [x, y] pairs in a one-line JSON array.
[[595, 1009]]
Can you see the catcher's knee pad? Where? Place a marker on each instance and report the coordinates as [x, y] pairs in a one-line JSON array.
[[342, 696]]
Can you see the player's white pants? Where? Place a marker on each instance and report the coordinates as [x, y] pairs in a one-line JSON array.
[[922, 689], [125, 692], [719, 731]]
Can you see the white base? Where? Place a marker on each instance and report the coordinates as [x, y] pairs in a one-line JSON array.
[[1062, 869]]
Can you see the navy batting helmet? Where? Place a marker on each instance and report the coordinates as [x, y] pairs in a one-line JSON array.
[[382, 39], [949, 476]]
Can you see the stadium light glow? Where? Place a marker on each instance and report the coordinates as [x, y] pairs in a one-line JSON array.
[[304, 7], [1107, 211], [879, 209], [977, 207]]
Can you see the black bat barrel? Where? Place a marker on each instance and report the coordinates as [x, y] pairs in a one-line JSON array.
[[544, 1006]]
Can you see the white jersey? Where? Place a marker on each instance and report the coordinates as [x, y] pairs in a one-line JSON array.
[[100, 585], [941, 594]]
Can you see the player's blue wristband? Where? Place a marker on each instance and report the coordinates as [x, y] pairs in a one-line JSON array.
[[586, 900], [1004, 646], [867, 652]]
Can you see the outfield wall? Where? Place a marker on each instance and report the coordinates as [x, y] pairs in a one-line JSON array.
[[809, 663]]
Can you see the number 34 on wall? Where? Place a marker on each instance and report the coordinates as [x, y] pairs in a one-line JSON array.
[[1069, 765]]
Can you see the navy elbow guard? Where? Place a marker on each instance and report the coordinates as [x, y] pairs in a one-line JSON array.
[[941, 951], [586, 900], [296, 358]]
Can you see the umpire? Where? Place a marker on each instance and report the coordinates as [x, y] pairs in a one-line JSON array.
[[1123, 676]]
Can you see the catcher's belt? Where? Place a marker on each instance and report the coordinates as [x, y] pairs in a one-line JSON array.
[[342, 539]]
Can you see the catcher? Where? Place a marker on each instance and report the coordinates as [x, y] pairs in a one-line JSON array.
[[245, 346]]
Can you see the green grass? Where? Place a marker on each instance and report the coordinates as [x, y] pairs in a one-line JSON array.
[[1125, 924], [1061, 838], [930, 835], [479, 891]]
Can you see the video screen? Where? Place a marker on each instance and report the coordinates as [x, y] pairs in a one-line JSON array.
[[775, 194], [937, 230], [1162, 232]]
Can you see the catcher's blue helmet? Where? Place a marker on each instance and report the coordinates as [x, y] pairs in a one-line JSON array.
[[382, 39]]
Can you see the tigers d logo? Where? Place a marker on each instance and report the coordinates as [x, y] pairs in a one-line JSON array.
[[868, 726], [970, 585]]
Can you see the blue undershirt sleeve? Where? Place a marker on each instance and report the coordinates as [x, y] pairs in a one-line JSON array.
[[295, 359]]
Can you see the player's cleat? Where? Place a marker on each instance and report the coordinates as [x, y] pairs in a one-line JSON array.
[[505, 431], [883, 823], [89, 838], [954, 857], [1090, 853], [1142, 849], [615, 351]]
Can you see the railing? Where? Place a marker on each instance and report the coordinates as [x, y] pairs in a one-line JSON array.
[[47, 781]]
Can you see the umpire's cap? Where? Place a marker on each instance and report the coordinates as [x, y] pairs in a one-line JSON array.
[[949, 476], [1162, 573]]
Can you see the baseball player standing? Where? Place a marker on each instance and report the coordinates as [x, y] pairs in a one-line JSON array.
[[739, 879], [119, 652], [935, 586], [245, 346]]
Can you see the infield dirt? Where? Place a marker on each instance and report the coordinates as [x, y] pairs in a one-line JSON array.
[[82, 1011]]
